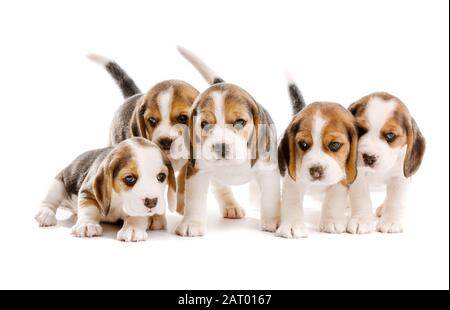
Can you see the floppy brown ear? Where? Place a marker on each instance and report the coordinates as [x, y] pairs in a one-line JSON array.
[[415, 149], [287, 155], [351, 170], [262, 136], [356, 107], [138, 128], [102, 188]]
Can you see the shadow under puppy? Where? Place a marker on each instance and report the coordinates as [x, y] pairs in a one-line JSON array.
[[317, 155], [160, 115], [125, 182], [390, 151], [233, 142]]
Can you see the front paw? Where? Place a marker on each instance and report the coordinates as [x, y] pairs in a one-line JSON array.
[[270, 224], [87, 229], [45, 217], [360, 225], [158, 222], [190, 228], [389, 225], [332, 226], [131, 234], [294, 230], [233, 211]]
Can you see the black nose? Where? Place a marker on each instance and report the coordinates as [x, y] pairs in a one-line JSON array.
[[221, 149], [165, 143], [150, 202], [369, 160], [316, 172]]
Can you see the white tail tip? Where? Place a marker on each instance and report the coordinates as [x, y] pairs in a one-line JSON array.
[[290, 78], [99, 59]]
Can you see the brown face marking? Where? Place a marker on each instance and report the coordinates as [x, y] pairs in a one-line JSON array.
[[238, 104], [148, 116], [339, 128], [401, 124]]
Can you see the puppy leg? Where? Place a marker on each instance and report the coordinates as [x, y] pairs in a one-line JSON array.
[[46, 215], [333, 210], [194, 219], [134, 229], [269, 183], [158, 222], [88, 222], [228, 205], [292, 221], [391, 219], [181, 181], [361, 221]]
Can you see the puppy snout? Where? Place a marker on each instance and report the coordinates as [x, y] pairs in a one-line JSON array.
[[221, 149], [165, 143], [316, 172], [150, 202], [369, 160]]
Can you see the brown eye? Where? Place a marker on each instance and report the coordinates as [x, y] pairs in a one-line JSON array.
[[153, 121], [161, 177], [130, 180], [239, 123], [334, 146], [182, 119], [390, 137], [303, 145]]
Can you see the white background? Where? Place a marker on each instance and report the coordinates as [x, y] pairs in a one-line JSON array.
[[55, 104]]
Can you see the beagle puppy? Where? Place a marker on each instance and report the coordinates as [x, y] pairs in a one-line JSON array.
[[390, 151], [161, 115], [317, 155], [232, 142], [125, 182]]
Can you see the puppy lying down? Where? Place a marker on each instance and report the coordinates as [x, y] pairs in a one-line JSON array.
[[125, 182]]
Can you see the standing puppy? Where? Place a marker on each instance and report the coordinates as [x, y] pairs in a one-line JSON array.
[[233, 141], [391, 148], [317, 155], [125, 182]]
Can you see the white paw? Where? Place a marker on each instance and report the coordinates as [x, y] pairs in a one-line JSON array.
[[132, 234], [270, 224], [45, 217], [288, 230], [360, 225], [233, 212], [333, 226], [190, 229], [389, 225], [158, 222], [87, 229]]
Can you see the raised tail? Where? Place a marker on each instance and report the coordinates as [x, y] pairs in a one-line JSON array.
[[123, 80], [208, 74], [297, 100]]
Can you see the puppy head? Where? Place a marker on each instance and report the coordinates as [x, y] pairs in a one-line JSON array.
[[226, 126], [162, 114], [320, 145], [135, 175], [389, 136]]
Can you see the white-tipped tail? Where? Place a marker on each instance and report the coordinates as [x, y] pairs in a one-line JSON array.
[[208, 74], [289, 78], [99, 59]]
